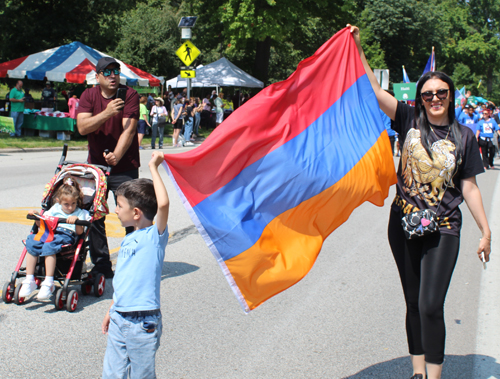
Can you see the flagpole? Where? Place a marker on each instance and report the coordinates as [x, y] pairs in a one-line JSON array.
[[434, 59]]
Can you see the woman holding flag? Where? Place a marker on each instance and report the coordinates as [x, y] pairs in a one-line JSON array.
[[439, 161]]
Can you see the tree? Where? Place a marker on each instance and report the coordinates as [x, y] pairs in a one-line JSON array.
[[149, 38], [255, 26], [406, 31]]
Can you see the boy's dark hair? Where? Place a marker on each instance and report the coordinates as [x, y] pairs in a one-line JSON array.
[[140, 193]]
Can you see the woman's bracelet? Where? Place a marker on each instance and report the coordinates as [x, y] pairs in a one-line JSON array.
[[488, 238]]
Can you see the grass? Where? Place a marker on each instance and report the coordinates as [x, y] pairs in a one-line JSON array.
[[7, 142]]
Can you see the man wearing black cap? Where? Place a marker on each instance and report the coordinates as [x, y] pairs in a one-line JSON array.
[[109, 124]]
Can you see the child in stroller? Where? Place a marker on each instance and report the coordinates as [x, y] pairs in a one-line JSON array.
[[67, 204], [70, 267]]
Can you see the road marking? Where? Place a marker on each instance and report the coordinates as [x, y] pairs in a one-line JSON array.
[[18, 216], [487, 357]]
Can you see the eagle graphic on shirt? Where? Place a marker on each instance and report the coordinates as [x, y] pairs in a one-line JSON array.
[[425, 177]]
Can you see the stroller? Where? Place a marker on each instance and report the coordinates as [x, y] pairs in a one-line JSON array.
[[70, 262]]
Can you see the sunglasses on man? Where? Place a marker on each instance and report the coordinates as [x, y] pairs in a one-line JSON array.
[[108, 71], [428, 96]]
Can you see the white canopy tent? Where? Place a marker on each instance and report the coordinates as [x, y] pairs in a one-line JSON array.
[[221, 73]]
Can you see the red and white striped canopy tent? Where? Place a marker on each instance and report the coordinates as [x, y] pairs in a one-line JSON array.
[[72, 63]]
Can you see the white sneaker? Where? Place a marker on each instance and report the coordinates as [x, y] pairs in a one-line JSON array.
[[46, 290], [189, 143], [27, 288]]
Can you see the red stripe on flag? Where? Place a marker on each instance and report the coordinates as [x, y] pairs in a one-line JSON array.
[[276, 115]]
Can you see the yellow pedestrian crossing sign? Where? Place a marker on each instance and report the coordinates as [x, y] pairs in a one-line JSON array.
[[188, 74], [187, 52]]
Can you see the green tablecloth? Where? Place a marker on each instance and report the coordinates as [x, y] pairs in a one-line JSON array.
[[32, 121]]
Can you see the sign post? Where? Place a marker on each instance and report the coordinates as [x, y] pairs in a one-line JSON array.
[[187, 52]]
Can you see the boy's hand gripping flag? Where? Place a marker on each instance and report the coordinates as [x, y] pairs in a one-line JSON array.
[[285, 170]]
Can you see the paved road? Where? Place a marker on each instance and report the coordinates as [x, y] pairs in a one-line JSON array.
[[344, 320]]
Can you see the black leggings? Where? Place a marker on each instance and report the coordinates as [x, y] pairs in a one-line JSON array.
[[425, 266], [487, 151]]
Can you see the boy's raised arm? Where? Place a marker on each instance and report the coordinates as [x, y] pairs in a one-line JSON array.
[[160, 191]]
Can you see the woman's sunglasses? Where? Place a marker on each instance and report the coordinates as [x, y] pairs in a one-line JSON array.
[[108, 71], [428, 95]]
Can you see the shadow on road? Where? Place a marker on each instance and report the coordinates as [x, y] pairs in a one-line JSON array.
[[173, 269], [455, 366]]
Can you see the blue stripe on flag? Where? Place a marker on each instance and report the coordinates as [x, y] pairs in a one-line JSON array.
[[236, 215]]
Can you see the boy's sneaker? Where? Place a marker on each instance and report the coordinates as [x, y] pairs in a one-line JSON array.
[[46, 290], [27, 288]]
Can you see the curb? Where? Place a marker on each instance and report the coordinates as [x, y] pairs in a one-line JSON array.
[[39, 149]]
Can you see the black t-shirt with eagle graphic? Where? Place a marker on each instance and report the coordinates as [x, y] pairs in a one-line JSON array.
[[422, 181]]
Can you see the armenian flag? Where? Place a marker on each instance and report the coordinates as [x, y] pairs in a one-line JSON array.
[[46, 229], [286, 169]]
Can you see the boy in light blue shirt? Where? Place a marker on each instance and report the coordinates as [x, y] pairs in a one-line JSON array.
[[133, 322]]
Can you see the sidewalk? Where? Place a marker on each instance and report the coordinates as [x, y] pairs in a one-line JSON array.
[[198, 142]]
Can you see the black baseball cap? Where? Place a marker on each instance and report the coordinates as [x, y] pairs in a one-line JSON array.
[[467, 106], [105, 62]]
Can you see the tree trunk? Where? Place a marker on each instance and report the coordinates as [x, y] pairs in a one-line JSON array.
[[262, 55]]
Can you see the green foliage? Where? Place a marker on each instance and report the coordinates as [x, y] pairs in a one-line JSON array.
[[150, 37], [268, 38]]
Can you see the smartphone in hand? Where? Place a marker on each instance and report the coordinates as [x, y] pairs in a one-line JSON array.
[[121, 94]]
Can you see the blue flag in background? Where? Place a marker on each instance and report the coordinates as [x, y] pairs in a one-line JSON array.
[[406, 79], [431, 63]]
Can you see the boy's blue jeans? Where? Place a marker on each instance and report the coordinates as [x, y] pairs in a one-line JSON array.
[[133, 339]]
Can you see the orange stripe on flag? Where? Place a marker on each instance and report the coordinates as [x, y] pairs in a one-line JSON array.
[[290, 244]]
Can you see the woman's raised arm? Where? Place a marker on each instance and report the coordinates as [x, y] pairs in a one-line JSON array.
[[386, 101]]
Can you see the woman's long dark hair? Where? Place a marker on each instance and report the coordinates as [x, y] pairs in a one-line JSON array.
[[421, 115]]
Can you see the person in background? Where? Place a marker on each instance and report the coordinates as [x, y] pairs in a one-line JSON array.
[[73, 106], [48, 96], [219, 104], [17, 99], [177, 122], [143, 120], [236, 100], [171, 97], [487, 128], [65, 94], [468, 118], [158, 122], [197, 116], [151, 102], [188, 123], [28, 97], [109, 124]]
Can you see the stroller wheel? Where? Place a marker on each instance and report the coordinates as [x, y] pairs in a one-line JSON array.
[[58, 302], [72, 301], [38, 282], [18, 300], [86, 288], [99, 285], [7, 296]]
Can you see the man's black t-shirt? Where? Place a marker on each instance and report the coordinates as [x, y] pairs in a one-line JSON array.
[[423, 182], [48, 94]]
